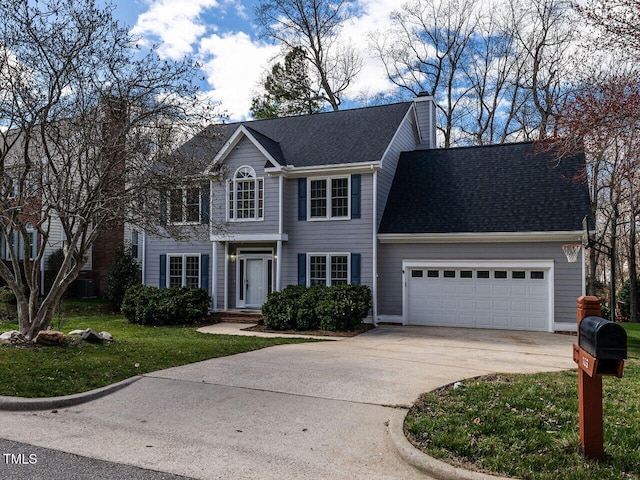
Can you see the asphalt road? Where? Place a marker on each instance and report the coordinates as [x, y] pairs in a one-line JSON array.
[[19, 461]]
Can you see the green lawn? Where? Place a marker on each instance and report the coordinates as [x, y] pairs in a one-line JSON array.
[[51, 371], [526, 426]]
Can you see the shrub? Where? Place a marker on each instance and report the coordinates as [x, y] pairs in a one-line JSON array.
[[8, 309], [339, 307], [281, 308], [7, 295], [124, 273], [307, 316], [170, 306], [344, 307]]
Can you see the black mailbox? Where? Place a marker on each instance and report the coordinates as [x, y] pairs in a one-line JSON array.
[[602, 339]]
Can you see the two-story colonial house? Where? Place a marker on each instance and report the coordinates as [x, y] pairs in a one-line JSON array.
[[462, 237]]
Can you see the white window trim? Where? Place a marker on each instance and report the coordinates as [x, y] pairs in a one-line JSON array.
[[328, 265], [184, 206], [184, 269], [327, 180], [232, 186]]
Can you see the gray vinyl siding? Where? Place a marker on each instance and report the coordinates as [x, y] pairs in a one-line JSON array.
[[198, 242], [567, 280], [405, 140], [246, 153], [331, 236]]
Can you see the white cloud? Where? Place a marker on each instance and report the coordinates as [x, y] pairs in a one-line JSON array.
[[373, 19], [175, 23], [234, 66]]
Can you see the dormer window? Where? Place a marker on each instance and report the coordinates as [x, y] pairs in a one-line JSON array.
[[246, 195]]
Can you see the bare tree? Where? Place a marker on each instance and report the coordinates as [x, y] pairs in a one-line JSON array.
[[619, 20], [544, 30], [602, 118], [425, 51], [313, 26], [84, 118], [498, 73]]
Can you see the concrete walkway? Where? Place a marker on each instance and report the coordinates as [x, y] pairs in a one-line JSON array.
[[316, 411]]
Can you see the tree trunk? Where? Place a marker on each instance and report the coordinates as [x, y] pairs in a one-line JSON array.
[[633, 272]]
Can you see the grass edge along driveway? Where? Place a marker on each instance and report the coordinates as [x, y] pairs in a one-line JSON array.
[[526, 426], [35, 372]]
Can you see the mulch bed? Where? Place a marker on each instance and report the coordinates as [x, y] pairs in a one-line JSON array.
[[363, 327]]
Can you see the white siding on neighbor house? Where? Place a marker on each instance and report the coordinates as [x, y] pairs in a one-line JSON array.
[[245, 153], [567, 279], [404, 140], [56, 242]]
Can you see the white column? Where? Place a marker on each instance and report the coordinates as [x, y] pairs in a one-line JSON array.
[[279, 266], [214, 276], [374, 284], [280, 232], [226, 276]]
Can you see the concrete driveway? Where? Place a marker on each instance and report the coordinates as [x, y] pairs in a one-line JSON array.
[[316, 411]]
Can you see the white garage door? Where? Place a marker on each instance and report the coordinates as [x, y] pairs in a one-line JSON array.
[[483, 297]]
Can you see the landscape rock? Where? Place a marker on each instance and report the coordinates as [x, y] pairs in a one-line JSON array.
[[75, 332], [106, 336], [50, 338], [92, 336], [14, 337]]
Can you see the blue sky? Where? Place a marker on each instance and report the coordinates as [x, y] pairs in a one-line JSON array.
[[222, 36]]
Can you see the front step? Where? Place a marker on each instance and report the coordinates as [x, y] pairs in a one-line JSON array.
[[238, 316]]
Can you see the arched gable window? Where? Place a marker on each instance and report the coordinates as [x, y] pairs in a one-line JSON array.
[[246, 195]]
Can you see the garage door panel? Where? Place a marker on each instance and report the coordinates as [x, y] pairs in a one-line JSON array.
[[493, 302]]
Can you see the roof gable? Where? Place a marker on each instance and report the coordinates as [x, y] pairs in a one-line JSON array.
[[323, 139], [499, 188]]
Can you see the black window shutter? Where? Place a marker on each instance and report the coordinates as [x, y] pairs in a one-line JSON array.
[[302, 269], [163, 206], [204, 203], [356, 189], [302, 199], [355, 268], [204, 271], [163, 271]]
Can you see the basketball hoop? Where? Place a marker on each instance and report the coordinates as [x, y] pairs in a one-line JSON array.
[[571, 250]]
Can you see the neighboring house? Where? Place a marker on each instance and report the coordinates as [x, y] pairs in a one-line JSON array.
[[461, 237], [92, 279]]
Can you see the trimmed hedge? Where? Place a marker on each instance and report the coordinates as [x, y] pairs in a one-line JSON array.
[[339, 307], [280, 309], [145, 305]]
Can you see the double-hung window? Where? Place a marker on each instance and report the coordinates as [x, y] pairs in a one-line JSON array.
[[184, 205], [135, 244], [329, 198], [328, 269], [183, 270], [246, 195]]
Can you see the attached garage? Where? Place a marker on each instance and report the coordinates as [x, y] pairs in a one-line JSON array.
[[479, 294]]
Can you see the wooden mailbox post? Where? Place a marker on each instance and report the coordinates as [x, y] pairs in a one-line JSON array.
[[600, 351]]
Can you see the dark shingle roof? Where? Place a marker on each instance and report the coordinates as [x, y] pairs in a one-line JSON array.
[[500, 188], [346, 136]]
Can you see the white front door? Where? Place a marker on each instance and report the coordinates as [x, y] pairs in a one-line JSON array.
[[255, 279], [255, 282]]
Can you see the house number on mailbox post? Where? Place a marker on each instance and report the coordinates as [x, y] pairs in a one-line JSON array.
[[600, 351]]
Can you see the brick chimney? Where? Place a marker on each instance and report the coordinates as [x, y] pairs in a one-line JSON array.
[[425, 113]]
